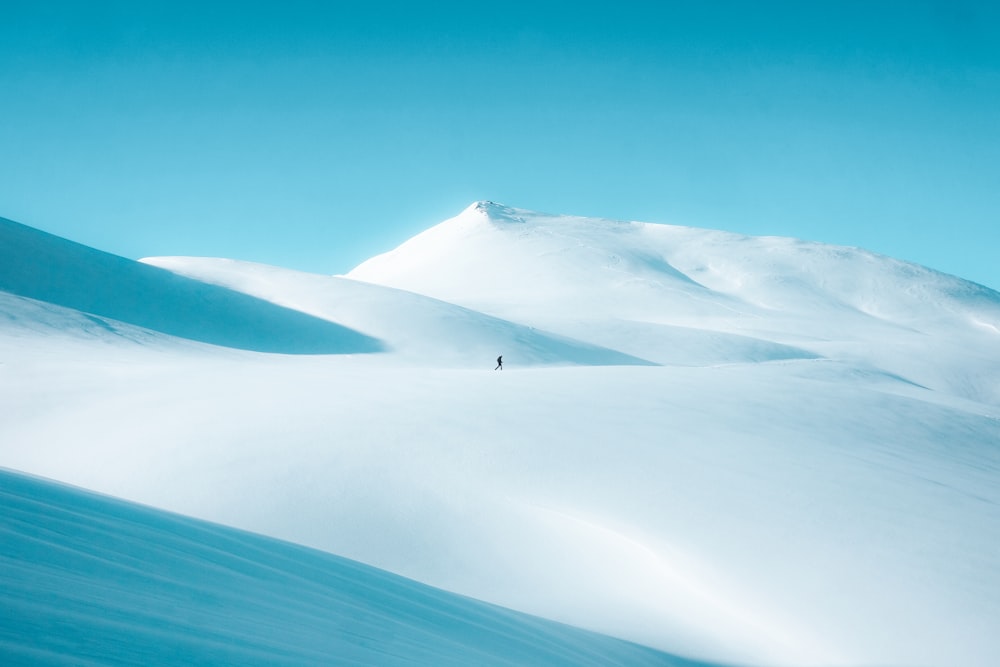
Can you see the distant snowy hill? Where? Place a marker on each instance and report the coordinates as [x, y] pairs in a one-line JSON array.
[[417, 329], [113, 290], [667, 293], [517, 259], [754, 451]]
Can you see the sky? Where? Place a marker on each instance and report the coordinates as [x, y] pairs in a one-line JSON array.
[[313, 135]]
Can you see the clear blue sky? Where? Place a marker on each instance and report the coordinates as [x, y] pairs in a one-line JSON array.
[[315, 134]]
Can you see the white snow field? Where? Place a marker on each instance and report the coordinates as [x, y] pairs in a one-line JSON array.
[[84, 573], [755, 451]]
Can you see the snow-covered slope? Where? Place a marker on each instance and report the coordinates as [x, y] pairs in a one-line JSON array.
[[666, 293], [811, 477], [91, 580], [750, 513], [113, 290], [417, 329], [515, 259]]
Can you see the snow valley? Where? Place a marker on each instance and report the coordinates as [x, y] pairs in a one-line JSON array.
[[736, 450]]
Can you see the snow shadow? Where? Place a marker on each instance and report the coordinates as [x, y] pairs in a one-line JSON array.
[[48, 268], [90, 579]]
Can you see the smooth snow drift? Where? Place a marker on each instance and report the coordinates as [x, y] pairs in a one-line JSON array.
[[749, 450], [113, 290], [88, 579], [417, 328]]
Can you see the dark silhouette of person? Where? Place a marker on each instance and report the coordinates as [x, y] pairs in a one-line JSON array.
[[499, 362]]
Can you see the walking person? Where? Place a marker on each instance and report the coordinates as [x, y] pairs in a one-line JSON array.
[[499, 362]]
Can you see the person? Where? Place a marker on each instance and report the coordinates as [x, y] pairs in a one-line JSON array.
[[499, 362]]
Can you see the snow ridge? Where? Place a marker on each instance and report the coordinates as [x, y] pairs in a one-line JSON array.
[[497, 212], [46, 268], [615, 283]]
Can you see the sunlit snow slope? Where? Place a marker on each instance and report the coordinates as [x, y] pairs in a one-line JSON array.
[[751, 450], [687, 296], [111, 290], [91, 580], [418, 329]]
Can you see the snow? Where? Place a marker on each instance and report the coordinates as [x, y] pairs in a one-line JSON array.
[[635, 284], [417, 328], [40, 266], [92, 580], [747, 450]]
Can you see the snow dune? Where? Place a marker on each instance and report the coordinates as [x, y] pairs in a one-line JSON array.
[[93, 580], [418, 329], [114, 290], [753, 451]]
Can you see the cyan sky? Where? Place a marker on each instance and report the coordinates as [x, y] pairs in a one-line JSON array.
[[315, 134]]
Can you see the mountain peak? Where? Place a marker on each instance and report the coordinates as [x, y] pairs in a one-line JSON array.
[[495, 212]]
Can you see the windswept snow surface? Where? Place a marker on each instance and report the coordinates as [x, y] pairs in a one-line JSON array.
[[417, 328], [668, 293], [810, 476], [113, 290], [92, 580]]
